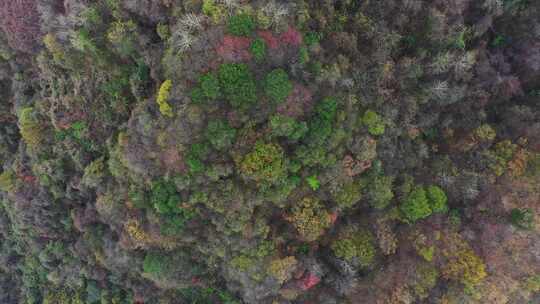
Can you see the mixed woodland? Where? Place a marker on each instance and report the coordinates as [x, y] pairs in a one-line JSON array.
[[269, 152]]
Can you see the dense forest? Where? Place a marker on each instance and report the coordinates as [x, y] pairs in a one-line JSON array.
[[269, 152]]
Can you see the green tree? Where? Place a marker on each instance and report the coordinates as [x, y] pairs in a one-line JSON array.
[[241, 25], [373, 122], [156, 263], [348, 195], [164, 197], [437, 199], [322, 124], [220, 134], [265, 164], [358, 245], [238, 84], [210, 86], [195, 156], [380, 192], [522, 218], [277, 85], [287, 127], [416, 205], [258, 49]]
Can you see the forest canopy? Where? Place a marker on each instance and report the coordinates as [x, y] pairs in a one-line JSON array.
[[269, 152]]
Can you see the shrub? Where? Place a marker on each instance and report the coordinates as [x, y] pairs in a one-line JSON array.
[[416, 205], [373, 122], [243, 262], [163, 31], [210, 86], [83, 42], [7, 181], [348, 195], [277, 85], [30, 128], [156, 264], [195, 165], [311, 38], [238, 84], [54, 47], [380, 192], [426, 252], [206, 295], [327, 109], [94, 173], [310, 218], [258, 49], [281, 269], [505, 149], [356, 246], [425, 279], [220, 134], [214, 11], [287, 127], [533, 165], [163, 98], [91, 16], [197, 95], [303, 55], [500, 155], [437, 199], [121, 35], [485, 133], [265, 164], [313, 182], [66, 296], [522, 218], [138, 198], [532, 284], [241, 25]]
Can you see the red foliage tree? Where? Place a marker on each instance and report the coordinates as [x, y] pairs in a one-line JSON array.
[[291, 37], [19, 19], [235, 49], [271, 41], [299, 102], [308, 281]]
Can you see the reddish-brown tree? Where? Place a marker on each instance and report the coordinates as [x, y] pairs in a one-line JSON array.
[[19, 19]]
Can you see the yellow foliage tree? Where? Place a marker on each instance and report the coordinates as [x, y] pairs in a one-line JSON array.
[[30, 128], [163, 98], [310, 218], [281, 269]]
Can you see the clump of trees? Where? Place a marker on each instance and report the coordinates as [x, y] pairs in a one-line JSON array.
[[421, 203]]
